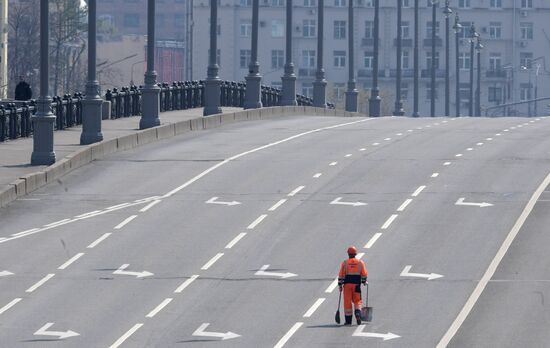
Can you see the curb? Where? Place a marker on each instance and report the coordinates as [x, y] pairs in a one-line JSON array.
[[31, 182]]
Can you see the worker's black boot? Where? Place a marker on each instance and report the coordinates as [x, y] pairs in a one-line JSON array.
[[358, 316], [348, 320]]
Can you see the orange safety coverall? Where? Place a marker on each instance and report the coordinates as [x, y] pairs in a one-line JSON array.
[[352, 273]]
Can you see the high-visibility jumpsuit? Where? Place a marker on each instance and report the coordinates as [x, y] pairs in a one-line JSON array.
[[352, 273]]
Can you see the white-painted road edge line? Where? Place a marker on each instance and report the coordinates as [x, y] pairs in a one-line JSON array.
[[9, 305], [372, 240], [332, 286], [403, 206], [159, 307], [40, 282], [457, 323], [149, 206], [235, 240], [99, 240], [70, 261], [256, 222], [186, 283], [126, 336], [288, 335], [123, 223], [295, 191], [212, 261], [314, 307], [389, 221], [277, 205], [418, 191]]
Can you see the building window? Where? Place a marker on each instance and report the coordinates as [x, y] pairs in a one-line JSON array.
[[495, 4], [525, 59], [369, 29], [179, 20], [245, 28], [525, 92], [526, 29], [131, 20], [464, 60], [526, 3], [245, 2], [495, 61], [464, 4], [308, 29], [429, 29], [404, 91], [405, 59], [429, 92], [495, 30], [339, 90], [465, 32], [464, 92], [368, 60], [310, 3], [339, 59], [340, 3], [405, 30], [495, 94], [339, 29], [308, 58], [307, 90], [277, 59], [244, 58], [429, 60], [277, 28], [277, 3]]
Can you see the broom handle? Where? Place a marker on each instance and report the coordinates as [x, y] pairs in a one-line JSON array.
[[367, 299]]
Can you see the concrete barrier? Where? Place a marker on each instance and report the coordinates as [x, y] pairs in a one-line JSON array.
[[7, 195], [182, 127], [34, 181], [147, 136], [81, 157], [213, 121], [127, 142], [20, 187], [57, 170], [166, 131]]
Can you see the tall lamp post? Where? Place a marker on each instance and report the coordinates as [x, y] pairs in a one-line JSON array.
[[320, 84], [289, 78], [473, 37], [398, 111], [212, 84], [457, 29], [434, 28], [351, 94], [416, 57], [150, 91], [375, 100], [447, 12], [479, 47], [253, 97]]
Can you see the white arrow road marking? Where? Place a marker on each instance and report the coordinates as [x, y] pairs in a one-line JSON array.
[[339, 201], [214, 200], [387, 336], [406, 273], [60, 334], [223, 335], [481, 205], [5, 273], [142, 274], [262, 272]]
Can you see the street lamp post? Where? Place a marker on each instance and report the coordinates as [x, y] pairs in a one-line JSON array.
[[473, 36], [375, 100], [253, 97], [212, 84], [150, 91], [320, 84], [457, 29], [43, 121], [447, 12], [289, 78], [416, 57], [398, 111], [479, 47], [432, 96], [351, 94], [537, 89]]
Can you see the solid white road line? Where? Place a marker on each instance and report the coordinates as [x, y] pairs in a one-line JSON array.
[[447, 163], [88, 214], [126, 336], [332, 286], [40, 283], [389, 221], [435, 175], [9, 305], [295, 191], [99, 240], [149, 206], [318, 175], [71, 260], [418, 191], [57, 222], [212, 261], [403, 206], [277, 205], [186, 283], [333, 164], [235, 240], [359, 256], [117, 206], [123, 223], [372, 240], [314, 307], [256, 222], [288, 335], [159, 307], [25, 232], [457, 323]]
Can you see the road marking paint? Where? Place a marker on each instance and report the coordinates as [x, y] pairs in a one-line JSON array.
[[373, 240], [362, 149], [314, 307], [447, 163], [288, 335], [436, 124], [469, 149], [444, 121], [126, 336], [435, 175], [186, 283], [70, 261], [418, 191], [277, 205], [489, 139], [235, 240], [375, 144], [28, 199], [57, 223], [9, 305], [458, 155], [212, 261], [479, 144], [498, 134], [410, 130], [512, 127], [404, 205], [40, 283], [519, 126], [149, 206], [506, 130], [418, 127], [25, 232], [99, 240], [117, 206], [387, 139], [256, 222], [457, 323], [87, 214], [159, 307], [333, 164], [359, 256], [123, 223], [389, 221], [428, 126], [348, 155], [295, 191], [318, 175], [332, 286], [399, 134]]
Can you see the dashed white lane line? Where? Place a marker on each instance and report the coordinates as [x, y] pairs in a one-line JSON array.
[[506, 130], [40, 283], [256, 222], [375, 144], [295, 191], [9, 305], [435, 175], [212, 261], [235, 240], [348, 155], [332, 164], [489, 139], [373, 240], [498, 134], [403, 206], [469, 149], [126, 336], [117, 206], [186, 283], [99, 240], [447, 163], [150, 205], [314, 307], [458, 155], [125, 222], [89, 213], [387, 139], [288, 335], [399, 134], [159, 307], [410, 130], [479, 144], [57, 223], [389, 221], [317, 175], [277, 205], [362, 149], [70, 261], [332, 286], [25, 232], [418, 191]]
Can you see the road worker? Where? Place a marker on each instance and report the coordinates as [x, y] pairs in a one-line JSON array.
[[353, 273]]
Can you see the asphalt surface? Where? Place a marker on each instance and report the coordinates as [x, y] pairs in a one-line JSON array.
[[264, 269]]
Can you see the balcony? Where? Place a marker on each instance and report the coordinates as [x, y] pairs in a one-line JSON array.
[[438, 42], [496, 74], [404, 42], [306, 72], [427, 73], [363, 73]]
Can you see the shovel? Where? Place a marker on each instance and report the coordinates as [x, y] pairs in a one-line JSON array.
[[337, 315], [366, 311]]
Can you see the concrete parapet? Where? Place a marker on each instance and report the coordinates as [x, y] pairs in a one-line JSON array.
[[20, 187], [7, 195], [227, 118], [182, 127], [57, 170], [34, 181], [81, 157], [196, 124], [253, 114], [213, 121], [147, 136], [166, 131], [127, 142]]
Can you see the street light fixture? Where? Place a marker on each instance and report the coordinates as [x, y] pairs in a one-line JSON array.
[[473, 36], [447, 12], [457, 29], [479, 48], [434, 18]]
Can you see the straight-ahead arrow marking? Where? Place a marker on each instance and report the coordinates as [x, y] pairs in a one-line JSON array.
[[340, 202], [262, 272], [387, 336], [60, 334], [121, 271], [406, 273], [223, 335], [5, 273], [481, 205], [214, 200]]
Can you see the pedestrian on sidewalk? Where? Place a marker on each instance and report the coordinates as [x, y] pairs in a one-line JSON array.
[[23, 90], [353, 273]]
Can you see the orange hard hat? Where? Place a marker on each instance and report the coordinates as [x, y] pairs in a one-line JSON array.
[[352, 250]]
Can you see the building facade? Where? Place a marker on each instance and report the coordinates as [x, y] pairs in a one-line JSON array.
[[515, 36]]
